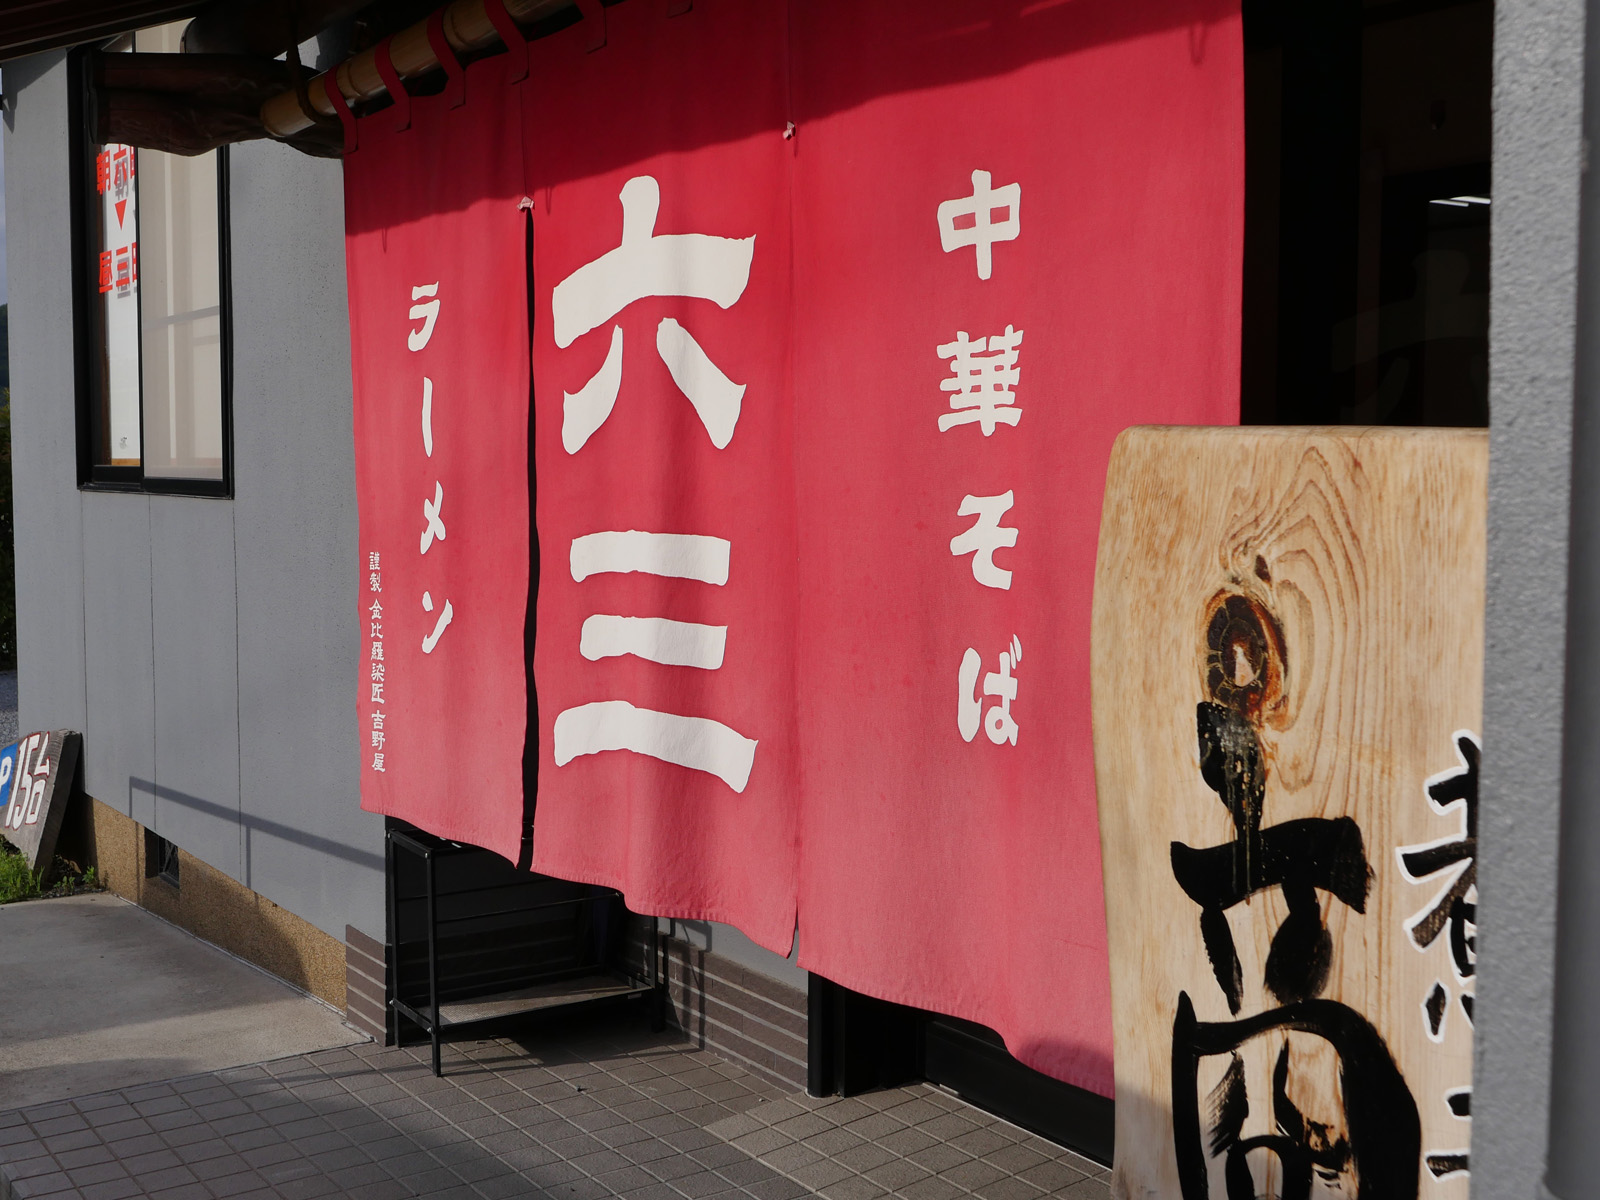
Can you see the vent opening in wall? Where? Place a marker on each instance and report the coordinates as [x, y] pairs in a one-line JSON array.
[[160, 859]]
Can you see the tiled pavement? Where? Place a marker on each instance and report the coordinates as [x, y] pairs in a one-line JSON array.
[[577, 1111]]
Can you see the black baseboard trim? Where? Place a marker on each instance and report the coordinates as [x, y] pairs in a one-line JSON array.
[[858, 1044]]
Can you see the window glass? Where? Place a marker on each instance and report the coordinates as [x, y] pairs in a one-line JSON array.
[[158, 377], [180, 316], [179, 296]]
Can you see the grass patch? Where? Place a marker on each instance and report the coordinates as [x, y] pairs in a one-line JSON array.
[[65, 876], [16, 881]]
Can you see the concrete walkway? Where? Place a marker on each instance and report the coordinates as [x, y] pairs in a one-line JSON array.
[[125, 1047], [96, 993], [593, 1107]]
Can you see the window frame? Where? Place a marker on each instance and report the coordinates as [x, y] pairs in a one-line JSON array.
[[88, 332]]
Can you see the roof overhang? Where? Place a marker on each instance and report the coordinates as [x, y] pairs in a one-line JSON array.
[[29, 26]]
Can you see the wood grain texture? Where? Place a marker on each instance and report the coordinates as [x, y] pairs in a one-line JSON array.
[[1321, 591]]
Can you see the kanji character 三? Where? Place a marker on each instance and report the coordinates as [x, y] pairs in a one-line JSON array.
[[984, 231], [691, 265], [982, 381], [695, 742]]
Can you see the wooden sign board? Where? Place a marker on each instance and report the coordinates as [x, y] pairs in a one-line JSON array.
[[1287, 666], [35, 785]]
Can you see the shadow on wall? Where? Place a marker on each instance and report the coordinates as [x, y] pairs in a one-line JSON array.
[[252, 824], [205, 901]]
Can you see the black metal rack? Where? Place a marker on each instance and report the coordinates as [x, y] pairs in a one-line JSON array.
[[475, 940]]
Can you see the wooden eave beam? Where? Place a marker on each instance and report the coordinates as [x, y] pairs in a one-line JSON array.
[[466, 27], [180, 103]]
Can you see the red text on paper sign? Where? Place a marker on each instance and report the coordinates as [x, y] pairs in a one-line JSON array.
[[984, 378], [645, 263], [114, 169], [119, 268]]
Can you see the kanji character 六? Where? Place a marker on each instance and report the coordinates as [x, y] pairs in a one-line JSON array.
[[645, 263]]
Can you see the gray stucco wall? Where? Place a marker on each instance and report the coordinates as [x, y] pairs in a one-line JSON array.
[[205, 647], [1538, 152]]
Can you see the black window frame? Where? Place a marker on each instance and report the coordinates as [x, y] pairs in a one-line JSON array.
[[88, 330]]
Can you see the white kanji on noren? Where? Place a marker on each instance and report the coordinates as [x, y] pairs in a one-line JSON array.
[[984, 231], [985, 537], [1002, 684], [691, 265], [431, 640], [985, 372], [698, 743], [433, 528], [427, 312], [427, 416]]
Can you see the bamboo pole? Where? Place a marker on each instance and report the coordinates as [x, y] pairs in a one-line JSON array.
[[466, 28]]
